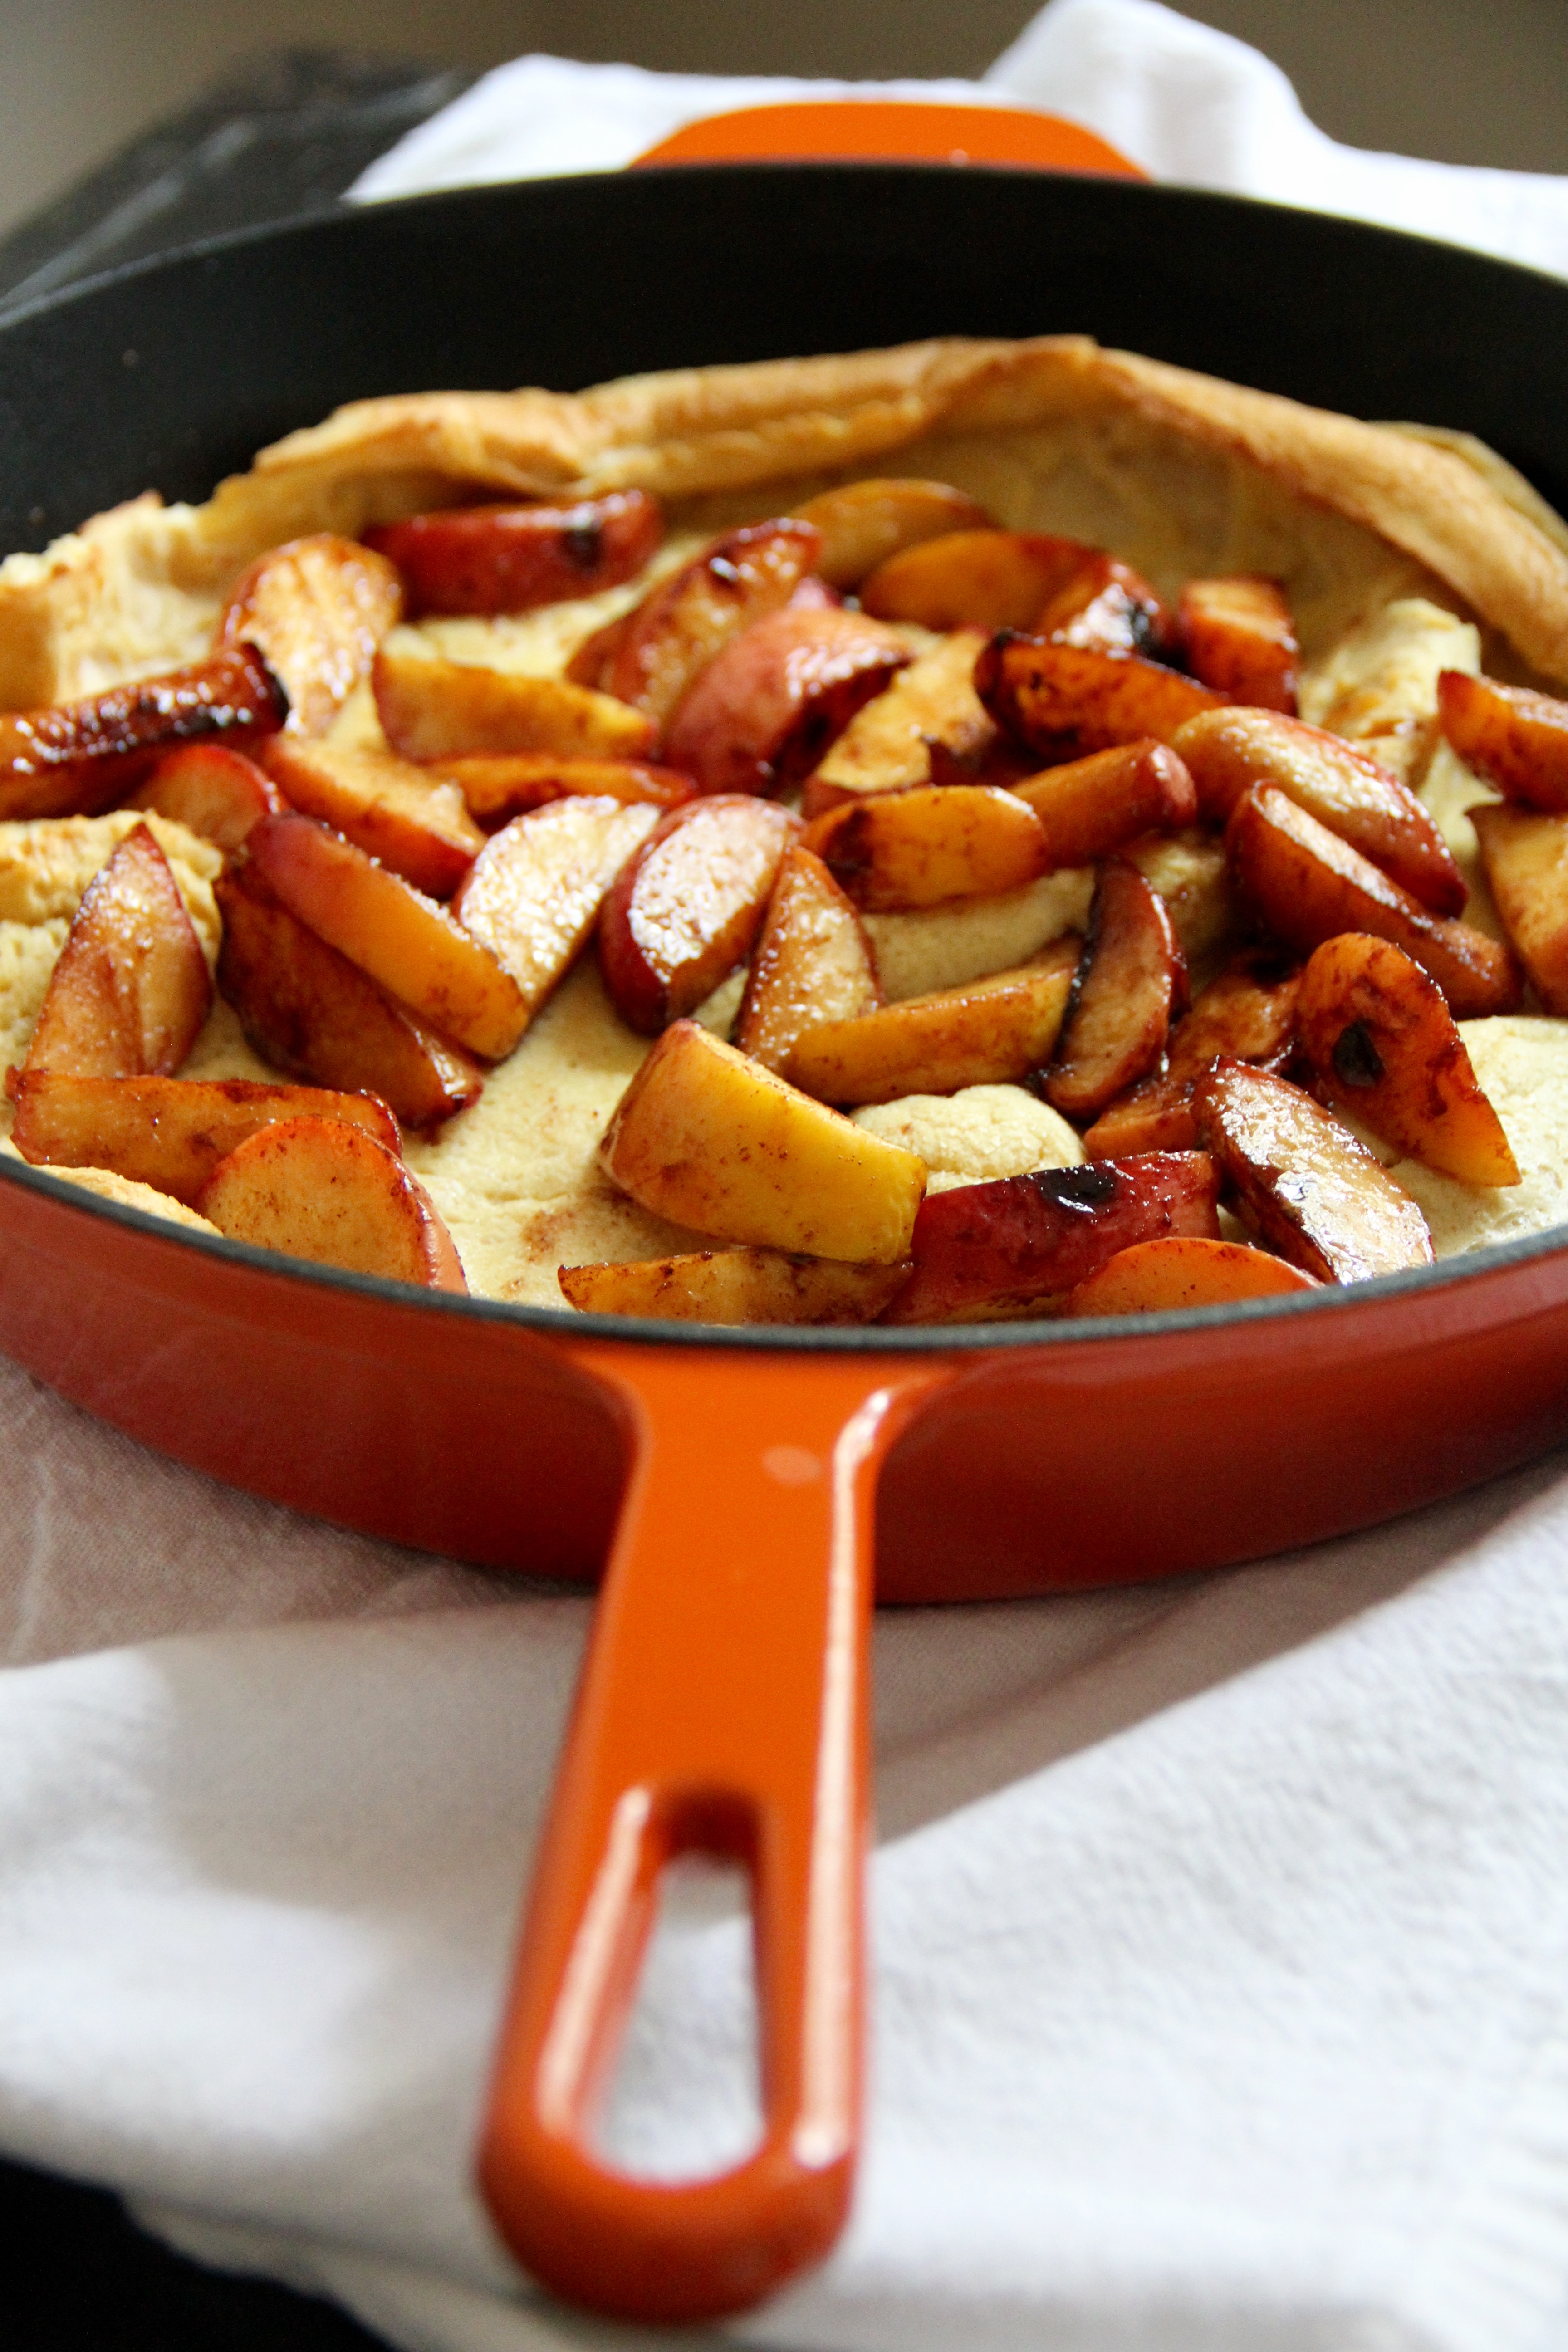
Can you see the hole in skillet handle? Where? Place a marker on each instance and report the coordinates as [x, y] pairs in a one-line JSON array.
[[686, 2099], [722, 1709]]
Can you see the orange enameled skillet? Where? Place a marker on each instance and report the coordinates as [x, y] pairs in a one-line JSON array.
[[724, 1482]]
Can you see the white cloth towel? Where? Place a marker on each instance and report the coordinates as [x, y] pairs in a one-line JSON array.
[[1187, 103], [1222, 1932]]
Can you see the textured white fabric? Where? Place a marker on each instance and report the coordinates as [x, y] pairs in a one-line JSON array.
[[1222, 1931], [1187, 103]]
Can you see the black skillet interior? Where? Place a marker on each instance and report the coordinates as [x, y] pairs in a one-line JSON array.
[[170, 373]]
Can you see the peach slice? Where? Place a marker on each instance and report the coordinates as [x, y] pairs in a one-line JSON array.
[[72, 758], [511, 559], [685, 909], [395, 811], [988, 1032], [433, 709], [1309, 885], [983, 579], [930, 709], [1240, 637], [1016, 1245], [863, 523], [1183, 1270], [680, 624], [170, 1133], [406, 942], [1247, 1012], [1524, 853], [930, 843], [210, 790], [1131, 979], [709, 1138], [1089, 807], [533, 894], [1515, 737], [736, 1286], [811, 963], [1383, 1046], [132, 988], [321, 1190], [316, 610], [1229, 751], [768, 704], [1107, 604], [1303, 1181], [306, 1008], [498, 785], [1065, 701]]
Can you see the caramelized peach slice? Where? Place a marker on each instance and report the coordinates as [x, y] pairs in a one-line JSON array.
[[534, 894], [1304, 1181], [710, 1140], [811, 963], [1524, 853], [988, 1032], [406, 942], [930, 709], [933, 843], [395, 811], [984, 579], [321, 1190], [863, 523], [685, 909], [433, 709], [768, 704], [170, 1133], [1108, 605], [316, 610], [1016, 1245], [1247, 1012], [1089, 807], [1183, 1270], [211, 790], [736, 1286], [1515, 737], [1130, 978], [498, 785], [72, 758], [1309, 885], [132, 987], [680, 624], [1383, 1046], [511, 559], [1065, 701], [306, 1009], [1229, 751], [1240, 637]]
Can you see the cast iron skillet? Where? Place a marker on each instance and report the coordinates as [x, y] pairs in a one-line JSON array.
[[729, 1476]]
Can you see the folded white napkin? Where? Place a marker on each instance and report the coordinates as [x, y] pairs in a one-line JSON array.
[[1187, 103], [1221, 1931], [1219, 2002]]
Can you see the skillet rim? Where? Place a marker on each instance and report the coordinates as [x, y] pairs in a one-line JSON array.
[[831, 1340], [1112, 188], [967, 1339]]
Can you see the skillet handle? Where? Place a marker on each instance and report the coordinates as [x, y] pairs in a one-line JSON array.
[[722, 1709]]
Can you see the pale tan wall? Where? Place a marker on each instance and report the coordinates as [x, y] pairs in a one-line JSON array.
[[1469, 81]]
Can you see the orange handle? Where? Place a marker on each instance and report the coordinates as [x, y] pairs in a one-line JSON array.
[[722, 1708]]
